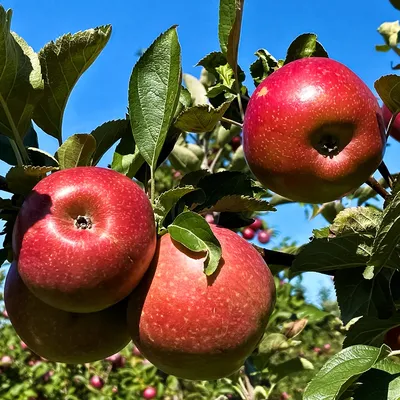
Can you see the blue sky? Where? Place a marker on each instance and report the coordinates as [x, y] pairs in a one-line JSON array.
[[347, 29]]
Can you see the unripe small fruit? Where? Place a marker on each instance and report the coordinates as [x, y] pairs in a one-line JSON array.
[[248, 233], [285, 396], [24, 346], [264, 237], [6, 361], [136, 352], [327, 346], [96, 382], [256, 225], [317, 350], [392, 338], [149, 393]]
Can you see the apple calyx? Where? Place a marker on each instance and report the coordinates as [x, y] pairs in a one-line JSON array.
[[328, 146], [83, 222]]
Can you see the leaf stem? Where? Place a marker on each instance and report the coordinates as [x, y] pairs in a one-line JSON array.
[[276, 257], [231, 121], [384, 171], [374, 184], [216, 158], [391, 123], [239, 98], [16, 152], [394, 353], [152, 185], [22, 156]]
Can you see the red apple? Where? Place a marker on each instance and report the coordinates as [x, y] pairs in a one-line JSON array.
[[313, 131], [199, 327], [256, 225], [96, 382], [150, 393], [60, 335], [264, 237], [248, 233], [387, 115], [392, 338], [84, 238]]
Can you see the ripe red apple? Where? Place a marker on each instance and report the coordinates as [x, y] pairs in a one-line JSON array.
[[60, 335], [199, 327], [395, 129], [313, 131], [84, 238], [96, 382], [392, 338], [264, 237], [150, 393], [248, 233], [256, 225]]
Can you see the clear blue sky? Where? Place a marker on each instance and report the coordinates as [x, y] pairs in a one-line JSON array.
[[347, 29]]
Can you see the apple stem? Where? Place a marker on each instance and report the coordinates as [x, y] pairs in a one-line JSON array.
[[383, 169], [231, 121], [276, 257], [374, 184], [152, 186], [3, 185]]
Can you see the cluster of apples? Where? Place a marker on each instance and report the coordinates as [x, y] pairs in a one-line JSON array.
[[89, 275], [256, 227]]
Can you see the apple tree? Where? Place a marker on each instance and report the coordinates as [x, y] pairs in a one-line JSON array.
[[194, 160]]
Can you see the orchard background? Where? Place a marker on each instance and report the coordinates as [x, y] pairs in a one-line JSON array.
[[301, 337]]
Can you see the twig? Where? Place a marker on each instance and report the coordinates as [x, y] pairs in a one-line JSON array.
[[216, 158], [276, 257], [391, 123], [384, 171], [231, 121], [374, 184]]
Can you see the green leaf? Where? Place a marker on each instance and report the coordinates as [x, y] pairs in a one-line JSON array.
[[193, 231], [201, 118], [312, 313], [264, 66], [154, 89], [388, 365], [167, 200], [6, 151], [63, 62], [194, 177], [329, 210], [21, 82], [22, 179], [238, 203], [377, 384], [184, 159], [273, 342], [365, 192], [357, 296], [76, 151], [126, 159], [382, 47], [354, 230], [388, 88], [41, 158], [222, 184], [370, 330], [198, 92], [395, 4], [305, 45], [224, 136], [385, 251], [340, 371], [238, 160], [107, 134], [289, 367]]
